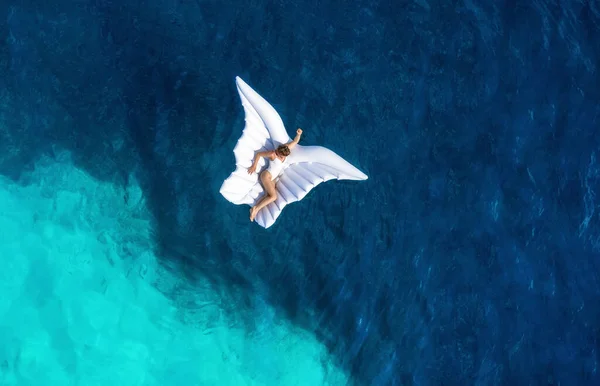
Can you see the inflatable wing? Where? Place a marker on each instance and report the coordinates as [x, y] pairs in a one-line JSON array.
[[307, 166]]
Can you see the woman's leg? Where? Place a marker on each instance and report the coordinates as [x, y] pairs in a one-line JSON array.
[[269, 197]]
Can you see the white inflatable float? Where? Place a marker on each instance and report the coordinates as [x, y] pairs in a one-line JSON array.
[[306, 166]]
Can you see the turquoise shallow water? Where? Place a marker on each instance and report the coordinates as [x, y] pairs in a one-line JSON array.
[[84, 301]]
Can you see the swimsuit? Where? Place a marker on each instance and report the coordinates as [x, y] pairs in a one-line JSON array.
[[276, 167]]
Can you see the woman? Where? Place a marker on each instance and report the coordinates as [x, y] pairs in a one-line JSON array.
[[277, 159]]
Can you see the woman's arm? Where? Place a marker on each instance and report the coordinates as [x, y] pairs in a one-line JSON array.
[[257, 156], [296, 140]]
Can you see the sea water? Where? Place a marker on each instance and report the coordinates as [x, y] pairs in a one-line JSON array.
[[469, 256]]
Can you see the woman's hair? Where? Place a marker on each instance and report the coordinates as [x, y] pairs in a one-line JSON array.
[[283, 150]]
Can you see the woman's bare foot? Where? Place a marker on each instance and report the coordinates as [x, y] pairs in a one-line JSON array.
[[253, 213]]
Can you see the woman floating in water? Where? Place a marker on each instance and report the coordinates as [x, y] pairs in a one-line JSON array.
[[277, 160], [290, 175]]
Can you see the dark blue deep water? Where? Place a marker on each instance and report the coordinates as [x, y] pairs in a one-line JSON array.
[[471, 254]]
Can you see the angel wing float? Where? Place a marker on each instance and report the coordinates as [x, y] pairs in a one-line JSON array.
[[306, 166]]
